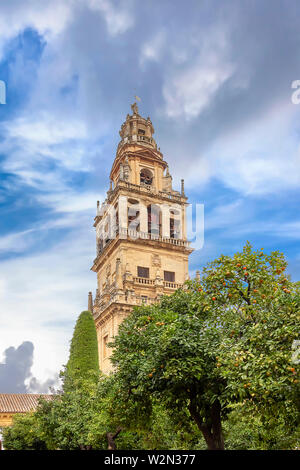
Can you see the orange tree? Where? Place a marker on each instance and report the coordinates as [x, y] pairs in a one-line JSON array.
[[224, 340]]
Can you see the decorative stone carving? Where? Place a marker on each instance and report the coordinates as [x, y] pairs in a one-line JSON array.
[[167, 181], [108, 270], [155, 260], [121, 172], [126, 169], [135, 108]]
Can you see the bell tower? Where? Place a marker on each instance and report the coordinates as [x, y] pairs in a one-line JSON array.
[[142, 248]]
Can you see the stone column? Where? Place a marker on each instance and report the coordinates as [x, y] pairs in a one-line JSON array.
[[183, 221], [143, 217], [134, 130], [119, 283], [123, 220], [182, 187], [121, 172], [165, 220], [90, 302], [159, 285], [127, 275]]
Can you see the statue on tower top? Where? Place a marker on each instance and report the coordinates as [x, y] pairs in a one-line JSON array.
[[135, 108]]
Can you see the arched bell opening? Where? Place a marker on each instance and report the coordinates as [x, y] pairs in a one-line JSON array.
[[133, 215], [146, 176], [174, 223], [154, 219]]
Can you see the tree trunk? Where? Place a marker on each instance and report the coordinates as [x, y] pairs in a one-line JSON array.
[[212, 428], [111, 439], [83, 447]]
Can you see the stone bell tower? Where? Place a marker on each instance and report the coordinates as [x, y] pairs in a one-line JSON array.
[[142, 249]]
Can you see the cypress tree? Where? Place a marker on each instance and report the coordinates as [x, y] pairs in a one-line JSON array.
[[83, 360]]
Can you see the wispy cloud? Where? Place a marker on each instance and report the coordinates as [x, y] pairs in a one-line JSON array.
[[117, 17]]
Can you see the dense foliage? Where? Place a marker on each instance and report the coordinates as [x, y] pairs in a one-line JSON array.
[[225, 340], [24, 434], [83, 358], [210, 366]]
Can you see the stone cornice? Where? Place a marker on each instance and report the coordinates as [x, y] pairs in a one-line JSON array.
[[135, 150], [111, 309], [124, 187], [161, 243]]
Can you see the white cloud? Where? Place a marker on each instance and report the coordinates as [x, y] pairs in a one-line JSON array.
[[52, 17], [30, 142], [118, 19], [199, 70], [70, 201], [49, 20], [42, 296], [226, 215], [263, 157], [190, 91], [153, 49], [44, 129], [16, 242], [281, 229], [256, 158]]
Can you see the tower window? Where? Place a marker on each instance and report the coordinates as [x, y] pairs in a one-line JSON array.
[[143, 272], [116, 214], [174, 224], [169, 276], [141, 132], [144, 299]]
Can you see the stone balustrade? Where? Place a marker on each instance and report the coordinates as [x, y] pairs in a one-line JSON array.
[[142, 189], [125, 233], [172, 285], [143, 280]]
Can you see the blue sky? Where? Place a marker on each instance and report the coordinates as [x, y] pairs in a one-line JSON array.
[[215, 78]]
